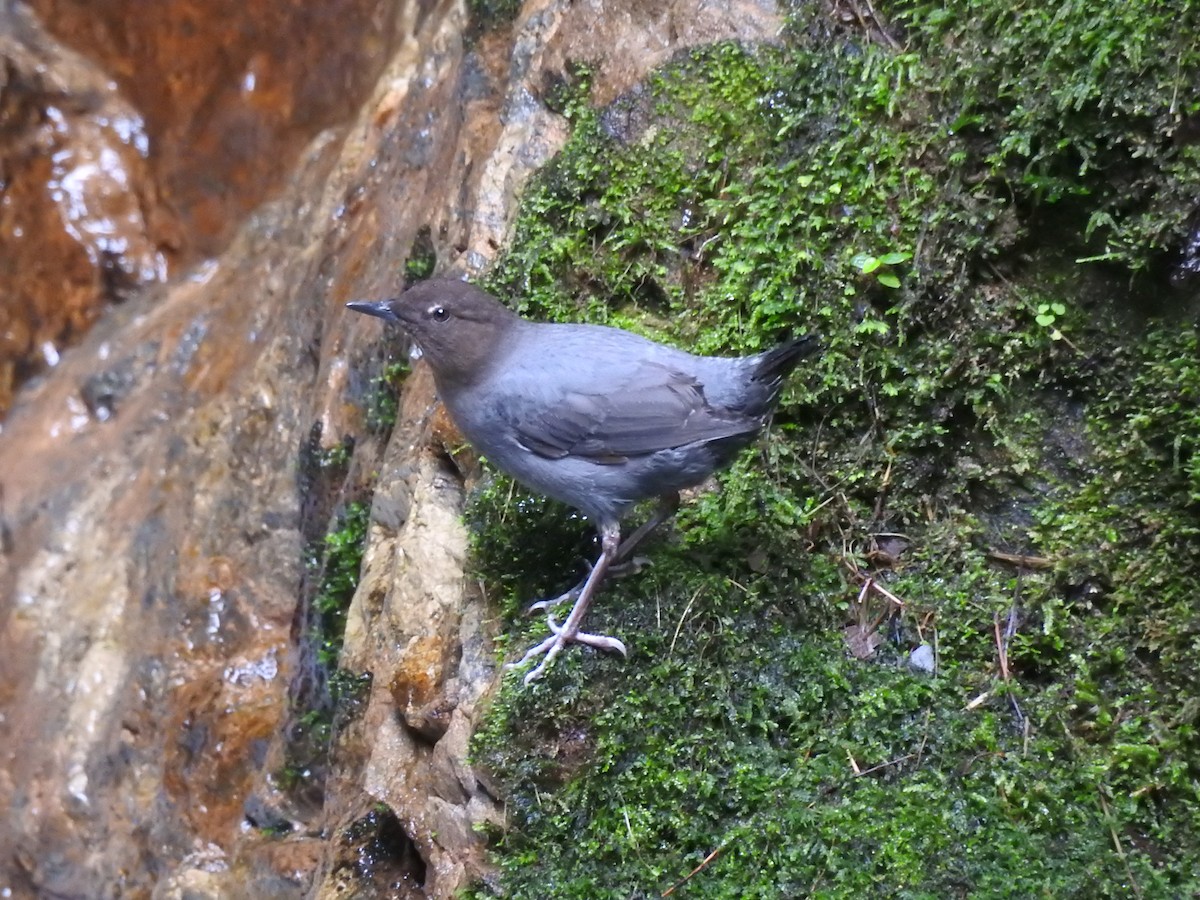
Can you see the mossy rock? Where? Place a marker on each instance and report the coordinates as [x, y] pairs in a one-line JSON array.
[[979, 211]]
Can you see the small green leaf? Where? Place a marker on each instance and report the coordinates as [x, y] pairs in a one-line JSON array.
[[865, 263], [872, 326], [892, 259], [1045, 320], [887, 279]]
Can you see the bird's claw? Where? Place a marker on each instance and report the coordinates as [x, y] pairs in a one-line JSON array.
[[620, 570], [551, 602], [630, 567], [599, 641], [553, 645]]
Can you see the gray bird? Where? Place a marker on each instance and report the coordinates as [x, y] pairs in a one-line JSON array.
[[596, 417]]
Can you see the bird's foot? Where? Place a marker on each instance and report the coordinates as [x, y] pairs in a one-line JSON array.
[[551, 602], [616, 570], [620, 570], [559, 638], [630, 567]]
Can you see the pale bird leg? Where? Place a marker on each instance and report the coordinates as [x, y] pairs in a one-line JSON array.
[[621, 566], [610, 536], [613, 551]]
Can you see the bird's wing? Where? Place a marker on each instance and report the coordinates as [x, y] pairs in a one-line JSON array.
[[655, 408]]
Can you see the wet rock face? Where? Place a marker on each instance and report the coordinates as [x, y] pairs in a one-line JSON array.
[[76, 199], [154, 524], [135, 137], [229, 90]]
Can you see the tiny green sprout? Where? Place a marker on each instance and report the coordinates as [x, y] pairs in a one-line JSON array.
[[880, 266], [418, 268], [871, 326], [1047, 315]]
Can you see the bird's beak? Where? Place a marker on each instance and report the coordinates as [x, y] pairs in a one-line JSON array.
[[378, 309]]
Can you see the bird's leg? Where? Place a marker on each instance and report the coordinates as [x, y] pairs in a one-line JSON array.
[[569, 633], [622, 565], [668, 504]]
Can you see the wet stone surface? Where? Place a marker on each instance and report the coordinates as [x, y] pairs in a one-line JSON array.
[[137, 138]]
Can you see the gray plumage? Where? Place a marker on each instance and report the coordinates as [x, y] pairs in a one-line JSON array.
[[596, 417]]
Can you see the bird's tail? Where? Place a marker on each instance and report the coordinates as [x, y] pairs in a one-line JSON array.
[[775, 365]]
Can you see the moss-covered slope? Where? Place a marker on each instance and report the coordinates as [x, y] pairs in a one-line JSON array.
[[980, 209]]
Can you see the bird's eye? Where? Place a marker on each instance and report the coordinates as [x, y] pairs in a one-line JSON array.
[[439, 314]]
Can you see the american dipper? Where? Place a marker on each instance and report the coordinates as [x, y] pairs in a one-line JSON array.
[[596, 417]]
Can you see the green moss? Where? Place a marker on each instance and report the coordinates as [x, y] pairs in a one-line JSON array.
[[340, 566], [384, 373], [324, 696], [382, 401], [503, 517], [949, 428], [422, 258], [1076, 101], [489, 15]]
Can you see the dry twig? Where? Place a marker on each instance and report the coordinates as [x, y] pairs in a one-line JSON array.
[[685, 879], [1020, 560]]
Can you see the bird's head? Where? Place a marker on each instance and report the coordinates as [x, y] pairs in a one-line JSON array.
[[459, 328]]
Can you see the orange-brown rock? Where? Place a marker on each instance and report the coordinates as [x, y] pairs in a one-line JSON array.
[[75, 190], [230, 90], [134, 139], [155, 508]]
